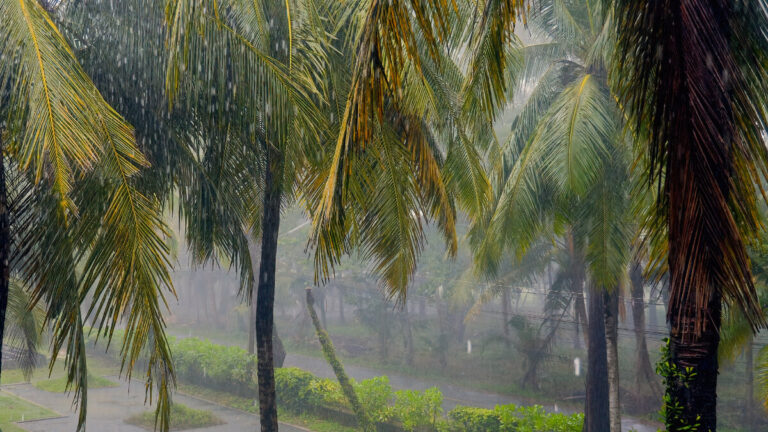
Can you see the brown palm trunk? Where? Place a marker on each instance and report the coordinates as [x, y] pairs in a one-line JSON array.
[[749, 389], [581, 315], [611, 307], [265, 298], [338, 369], [5, 247], [340, 291], [505, 314], [697, 394], [645, 377], [596, 410], [252, 321]]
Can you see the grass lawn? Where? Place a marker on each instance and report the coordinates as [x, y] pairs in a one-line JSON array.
[[98, 365], [13, 409], [59, 385], [182, 418]]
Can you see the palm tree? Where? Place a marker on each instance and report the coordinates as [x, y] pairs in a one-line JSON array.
[[269, 94], [389, 42], [566, 165], [72, 223], [691, 76]]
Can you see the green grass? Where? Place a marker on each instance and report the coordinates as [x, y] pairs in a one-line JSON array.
[[13, 409], [182, 418], [59, 385], [98, 365]]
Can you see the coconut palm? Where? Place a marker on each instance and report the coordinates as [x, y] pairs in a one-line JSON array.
[[566, 165], [74, 229], [269, 94], [691, 76]]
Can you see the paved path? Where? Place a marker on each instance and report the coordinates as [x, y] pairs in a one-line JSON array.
[[108, 407], [452, 395]]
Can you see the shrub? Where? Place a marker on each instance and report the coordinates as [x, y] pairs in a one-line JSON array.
[[418, 411], [472, 419], [376, 396], [296, 390], [534, 419], [219, 367]]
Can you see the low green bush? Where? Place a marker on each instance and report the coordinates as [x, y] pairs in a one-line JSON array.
[[219, 367], [534, 419], [377, 397], [417, 410], [233, 370], [472, 419], [299, 390]]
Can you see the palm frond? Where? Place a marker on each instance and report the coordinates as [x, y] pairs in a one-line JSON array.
[[56, 114]]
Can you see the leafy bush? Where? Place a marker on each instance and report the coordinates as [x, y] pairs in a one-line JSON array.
[[218, 367], [511, 418], [418, 411], [233, 370], [534, 419], [376, 396], [472, 419], [297, 389]]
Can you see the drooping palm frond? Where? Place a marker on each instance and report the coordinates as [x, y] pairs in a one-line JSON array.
[[691, 76], [23, 328], [389, 41], [112, 253], [58, 120]]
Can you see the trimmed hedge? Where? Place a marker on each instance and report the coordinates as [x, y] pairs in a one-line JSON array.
[[233, 370], [472, 419], [224, 368], [512, 418]]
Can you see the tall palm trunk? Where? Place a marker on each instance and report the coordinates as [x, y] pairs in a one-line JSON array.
[[611, 307], [266, 290], [690, 76], [596, 410], [505, 314], [697, 394], [581, 315], [252, 323], [645, 377], [5, 247], [363, 420]]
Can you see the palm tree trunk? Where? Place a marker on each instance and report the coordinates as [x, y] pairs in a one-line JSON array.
[[338, 369], [265, 298], [505, 314], [581, 316], [252, 324], [596, 410], [340, 290], [697, 394], [611, 307], [645, 377], [5, 246]]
